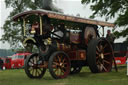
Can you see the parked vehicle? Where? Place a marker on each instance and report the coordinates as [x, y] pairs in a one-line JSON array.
[[120, 52], [16, 61], [65, 43]]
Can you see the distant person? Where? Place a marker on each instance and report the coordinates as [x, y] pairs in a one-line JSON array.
[[110, 37], [1, 64]]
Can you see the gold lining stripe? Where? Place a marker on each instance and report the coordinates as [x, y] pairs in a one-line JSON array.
[[58, 46], [29, 38], [41, 31]]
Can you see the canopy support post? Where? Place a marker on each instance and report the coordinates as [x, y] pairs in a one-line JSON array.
[[24, 27], [103, 31], [41, 31]]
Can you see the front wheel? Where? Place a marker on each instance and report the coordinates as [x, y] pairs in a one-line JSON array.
[[33, 66], [99, 55], [59, 65]]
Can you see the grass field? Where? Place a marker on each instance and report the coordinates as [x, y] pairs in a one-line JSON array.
[[85, 77]]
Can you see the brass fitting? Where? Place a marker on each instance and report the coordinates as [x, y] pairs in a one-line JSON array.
[[48, 41]]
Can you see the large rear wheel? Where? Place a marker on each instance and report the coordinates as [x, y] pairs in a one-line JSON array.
[[32, 66], [59, 65], [99, 55]]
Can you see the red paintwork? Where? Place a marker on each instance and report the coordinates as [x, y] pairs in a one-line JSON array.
[[120, 60], [77, 55], [7, 63], [16, 60], [75, 38]]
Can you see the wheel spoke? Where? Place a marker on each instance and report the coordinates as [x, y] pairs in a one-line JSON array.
[[56, 70], [54, 66], [30, 68], [98, 62], [64, 67], [65, 63], [36, 72], [104, 67], [107, 53], [32, 71], [101, 48], [62, 70], [105, 46], [106, 61], [98, 49], [30, 64], [100, 42], [37, 59], [55, 63], [39, 72], [59, 72], [97, 53], [59, 59], [63, 60], [31, 60], [100, 67], [55, 59], [40, 69]]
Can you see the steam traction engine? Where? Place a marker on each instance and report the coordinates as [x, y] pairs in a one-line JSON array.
[[65, 44]]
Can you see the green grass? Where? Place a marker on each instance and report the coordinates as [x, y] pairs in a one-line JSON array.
[[85, 77]]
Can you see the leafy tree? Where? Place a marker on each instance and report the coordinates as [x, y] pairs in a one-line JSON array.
[[12, 31], [110, 9]]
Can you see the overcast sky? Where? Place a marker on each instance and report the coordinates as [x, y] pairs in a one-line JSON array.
[[3, 16], [71, 7]]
